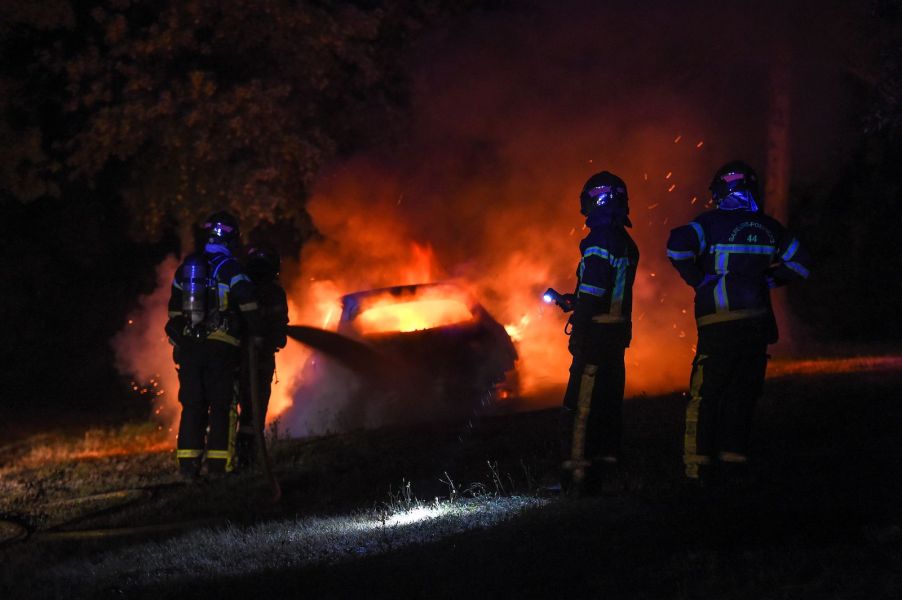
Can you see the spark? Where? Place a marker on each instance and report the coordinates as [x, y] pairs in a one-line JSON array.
[[653, 206], [677, 139], [694, 200], [669, 175], [672, 187], [700, 144]]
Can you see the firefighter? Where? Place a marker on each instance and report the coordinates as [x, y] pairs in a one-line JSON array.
[[600, 332], [262, 266], [732, 256], [211, 308]]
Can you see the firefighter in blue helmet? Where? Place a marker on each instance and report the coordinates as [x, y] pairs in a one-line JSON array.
[[262, 266], [600, 332], [731, 256], [212, 307]]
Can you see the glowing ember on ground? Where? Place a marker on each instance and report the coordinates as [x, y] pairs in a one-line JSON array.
[[822, 366]]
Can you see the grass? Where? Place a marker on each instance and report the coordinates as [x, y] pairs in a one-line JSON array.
[[428, 512]]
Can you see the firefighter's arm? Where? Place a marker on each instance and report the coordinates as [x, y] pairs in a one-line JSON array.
[[175, 325], [595, 281], [244, 295], [684, 246], [793, 262]]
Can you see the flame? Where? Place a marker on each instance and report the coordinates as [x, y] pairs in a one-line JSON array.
[[426, 310]]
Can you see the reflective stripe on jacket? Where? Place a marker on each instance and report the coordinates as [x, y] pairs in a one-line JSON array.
[[732, 259]]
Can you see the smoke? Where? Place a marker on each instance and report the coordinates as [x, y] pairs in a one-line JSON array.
[[511, 112], [143, 352], [514, 110]]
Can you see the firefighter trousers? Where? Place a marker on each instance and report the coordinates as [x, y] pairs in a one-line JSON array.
[[207, 380], [246, 441], [591, 417], [724, 388]]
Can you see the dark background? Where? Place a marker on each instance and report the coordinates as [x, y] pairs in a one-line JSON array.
[[89, 142]]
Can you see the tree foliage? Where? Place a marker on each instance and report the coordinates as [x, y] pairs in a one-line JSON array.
[[197, 104]]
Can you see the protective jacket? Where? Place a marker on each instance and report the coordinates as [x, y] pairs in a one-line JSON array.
[[273, 316], [604, 286], [732, 258], [233, 293]]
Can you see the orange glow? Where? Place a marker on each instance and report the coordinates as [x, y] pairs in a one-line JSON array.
[[822, 366], [413, 315]]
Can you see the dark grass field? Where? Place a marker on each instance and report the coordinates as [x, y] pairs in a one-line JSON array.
[[822, 519]]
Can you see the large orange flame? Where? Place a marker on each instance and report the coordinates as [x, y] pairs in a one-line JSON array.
[[414, 314]]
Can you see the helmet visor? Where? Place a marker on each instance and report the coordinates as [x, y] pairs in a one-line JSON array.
[[219, 229], [602, 194]]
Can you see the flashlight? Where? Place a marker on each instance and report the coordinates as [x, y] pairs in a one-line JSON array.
[[565, 301]]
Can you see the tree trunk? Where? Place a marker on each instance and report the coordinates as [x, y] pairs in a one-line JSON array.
[[777, 175]]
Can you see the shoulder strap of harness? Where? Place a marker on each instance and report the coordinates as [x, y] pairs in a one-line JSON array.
[[217, 262]]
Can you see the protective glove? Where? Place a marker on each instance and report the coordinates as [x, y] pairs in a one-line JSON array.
[[567, 302], [175, 329]]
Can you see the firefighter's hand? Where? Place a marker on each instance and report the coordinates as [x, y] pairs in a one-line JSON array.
[[567, 302], [175, 329]]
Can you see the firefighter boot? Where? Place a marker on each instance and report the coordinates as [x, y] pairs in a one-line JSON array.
[[245, 450], [601, 476], [189, 469]]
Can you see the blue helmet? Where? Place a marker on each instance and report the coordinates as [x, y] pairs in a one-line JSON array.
[[263, 263], [735, 187], [222, 228], [605, 193]]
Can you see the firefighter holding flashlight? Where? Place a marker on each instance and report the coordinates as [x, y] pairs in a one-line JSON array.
[[600, 330], [731, 256], [212, 306], [262, 266]]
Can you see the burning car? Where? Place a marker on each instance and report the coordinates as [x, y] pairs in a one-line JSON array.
[[440, 355]]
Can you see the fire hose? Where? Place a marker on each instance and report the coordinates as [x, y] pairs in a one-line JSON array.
[[16, 528], [257, 410]]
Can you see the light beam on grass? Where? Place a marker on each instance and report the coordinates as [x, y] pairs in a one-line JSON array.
[[290, 544], [415, 515]]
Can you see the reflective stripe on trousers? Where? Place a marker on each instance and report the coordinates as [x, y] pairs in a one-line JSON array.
[[691, 458], [578, 462]]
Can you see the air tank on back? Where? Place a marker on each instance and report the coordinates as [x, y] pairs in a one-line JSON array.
[[194, 288]]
